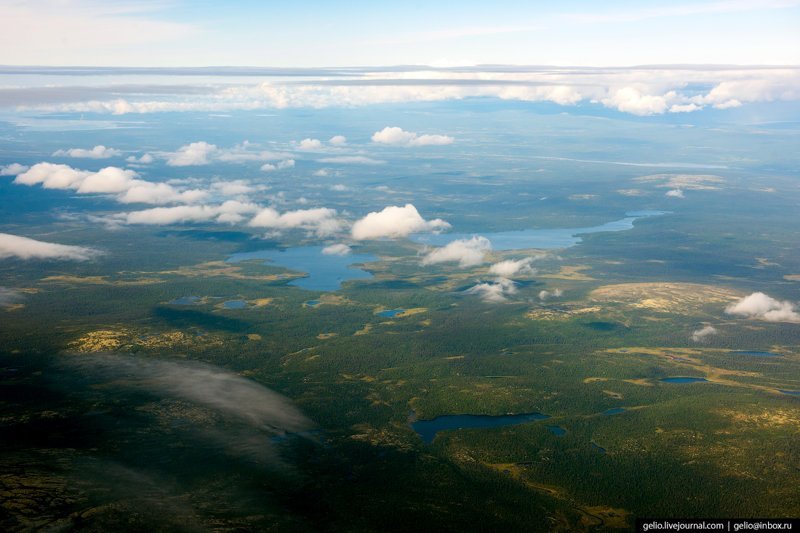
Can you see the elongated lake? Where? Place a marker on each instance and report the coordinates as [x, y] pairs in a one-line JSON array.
[[428, 429], [682, 379], [755, 354], [548, 239]]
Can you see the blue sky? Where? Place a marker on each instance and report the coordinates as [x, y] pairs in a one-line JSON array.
[[443, 33]]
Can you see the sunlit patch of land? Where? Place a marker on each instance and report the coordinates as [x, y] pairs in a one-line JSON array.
[[121, 338], [684, 181], [764, 419], [632, 192], [334, 299], [691, 359], [570, 273], [564, 312], [676, 298], [404, 313], [227, 270], [100, 280], [365, 330], [393, 436]]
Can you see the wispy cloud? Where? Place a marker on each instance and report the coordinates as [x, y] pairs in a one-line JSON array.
[[98, 152], [15, 246], [497, 291]]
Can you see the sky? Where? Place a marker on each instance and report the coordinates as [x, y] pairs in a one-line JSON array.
[[368, 33]]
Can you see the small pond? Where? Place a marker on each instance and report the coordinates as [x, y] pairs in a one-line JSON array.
[[681, 379]]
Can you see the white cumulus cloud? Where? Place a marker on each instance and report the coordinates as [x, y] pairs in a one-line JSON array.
[[465, 252], [309, 144], [321, 220], [762, 307], [338, 140], [337, 249], [227, 212], [192, 154], [109, 180], [635, 101], [674, 193], [394, 222], [394, 136]]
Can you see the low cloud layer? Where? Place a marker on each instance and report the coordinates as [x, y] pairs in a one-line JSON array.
[[465, 252], [759, 306], [14, 246], [395, 222], [642, 91], [394, 136], [98, 152]]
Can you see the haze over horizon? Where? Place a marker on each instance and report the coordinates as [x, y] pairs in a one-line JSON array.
[[323, 34]]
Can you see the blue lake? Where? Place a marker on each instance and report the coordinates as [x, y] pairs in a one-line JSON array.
[[325, 272], [755, 354], [427, 429], [552, 238], [234, 304], [558, 431], [185, 300], [613, 411], [791, 392], [311, 303], [683, 380], [391, 313]]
